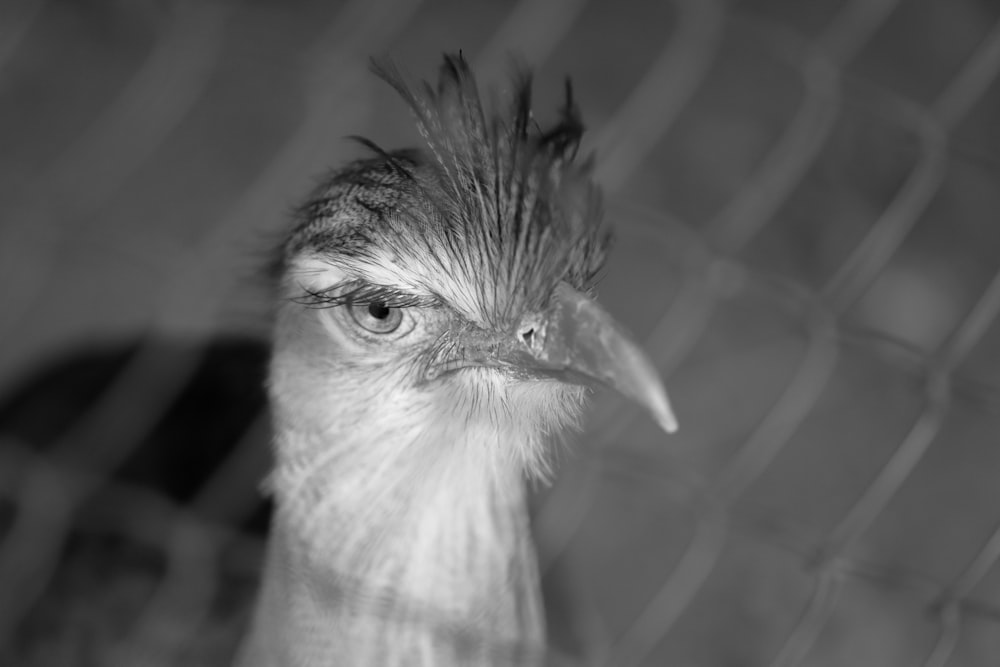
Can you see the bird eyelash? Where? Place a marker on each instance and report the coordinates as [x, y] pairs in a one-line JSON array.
[[361, 293]]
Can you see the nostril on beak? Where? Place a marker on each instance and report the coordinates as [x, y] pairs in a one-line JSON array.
[[532, 334]]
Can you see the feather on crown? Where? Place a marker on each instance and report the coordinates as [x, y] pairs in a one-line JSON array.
[[493, 212]]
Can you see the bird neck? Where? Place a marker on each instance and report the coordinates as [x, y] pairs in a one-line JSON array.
[[413, 549]]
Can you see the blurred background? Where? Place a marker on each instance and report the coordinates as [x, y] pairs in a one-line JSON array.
[[806, 197]]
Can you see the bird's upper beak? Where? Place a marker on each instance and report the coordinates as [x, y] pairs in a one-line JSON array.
[[576, 340]]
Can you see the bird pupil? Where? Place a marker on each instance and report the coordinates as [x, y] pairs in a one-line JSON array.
[[378, 310]]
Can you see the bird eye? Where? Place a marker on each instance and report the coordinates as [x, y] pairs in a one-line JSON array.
[[376, 316]]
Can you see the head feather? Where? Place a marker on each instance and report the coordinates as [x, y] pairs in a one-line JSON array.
[[490, 215]]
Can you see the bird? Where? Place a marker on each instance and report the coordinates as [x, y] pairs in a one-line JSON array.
[[435, 335]]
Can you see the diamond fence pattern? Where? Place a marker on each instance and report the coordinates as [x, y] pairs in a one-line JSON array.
[[806, 200]]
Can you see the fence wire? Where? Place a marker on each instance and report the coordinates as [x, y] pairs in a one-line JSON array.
[[806, 199]]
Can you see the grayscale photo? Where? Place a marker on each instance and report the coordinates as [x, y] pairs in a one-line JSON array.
[[499, 333]]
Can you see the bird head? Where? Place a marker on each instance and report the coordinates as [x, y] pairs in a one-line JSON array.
[[451, 287]]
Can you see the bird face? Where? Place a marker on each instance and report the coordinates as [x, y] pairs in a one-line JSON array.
[[453, 283], [420, 358]]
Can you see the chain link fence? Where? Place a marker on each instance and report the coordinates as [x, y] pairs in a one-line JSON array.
[[806, 198]]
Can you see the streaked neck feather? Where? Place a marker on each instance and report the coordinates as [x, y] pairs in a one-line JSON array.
[[408, 552]]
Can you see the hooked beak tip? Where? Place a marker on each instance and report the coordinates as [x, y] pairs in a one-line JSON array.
[[635, 376], [659, 406]]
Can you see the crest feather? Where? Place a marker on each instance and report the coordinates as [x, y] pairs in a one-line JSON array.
[[514, 190], [497, 209]]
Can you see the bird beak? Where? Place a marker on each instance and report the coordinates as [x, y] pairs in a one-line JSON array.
[[575, 340]]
